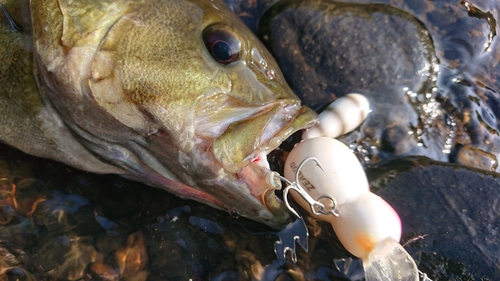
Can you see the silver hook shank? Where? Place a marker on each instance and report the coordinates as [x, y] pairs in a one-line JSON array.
[[317, 207]]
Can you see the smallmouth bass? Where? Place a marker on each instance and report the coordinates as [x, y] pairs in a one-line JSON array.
[[177, 94]]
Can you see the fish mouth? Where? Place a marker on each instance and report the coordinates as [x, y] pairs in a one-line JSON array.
[[262, 183], [243, 148]]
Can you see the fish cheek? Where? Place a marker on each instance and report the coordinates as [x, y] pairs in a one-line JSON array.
[[107, 90], [155, 67]]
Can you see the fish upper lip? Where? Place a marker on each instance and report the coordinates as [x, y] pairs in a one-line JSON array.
[[244, 139], [259, 179]]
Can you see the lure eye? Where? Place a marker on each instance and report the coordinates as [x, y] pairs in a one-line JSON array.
[[222, 44]]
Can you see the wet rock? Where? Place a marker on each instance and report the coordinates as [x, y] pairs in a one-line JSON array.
[[474, 157], [328, 49], [250, 11], [431, 71], [452, 211]]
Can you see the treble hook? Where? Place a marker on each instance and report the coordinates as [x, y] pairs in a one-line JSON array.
[[317, 207]]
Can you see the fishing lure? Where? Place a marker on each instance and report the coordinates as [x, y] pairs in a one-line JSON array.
[[366, 225], [326, 178], [340, 117]]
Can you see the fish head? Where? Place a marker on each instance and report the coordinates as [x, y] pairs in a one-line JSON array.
[[179, 93]]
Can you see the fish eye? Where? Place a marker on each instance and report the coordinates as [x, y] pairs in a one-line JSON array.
[[223, 45]]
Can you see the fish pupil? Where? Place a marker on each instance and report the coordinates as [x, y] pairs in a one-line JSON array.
[[222, 44], [222, 51]]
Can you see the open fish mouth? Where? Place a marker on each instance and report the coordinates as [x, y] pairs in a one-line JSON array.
[[262, 182], [243, 148]]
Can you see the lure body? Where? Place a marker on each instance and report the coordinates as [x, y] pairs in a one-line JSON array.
[[364, 218], [333, 187]]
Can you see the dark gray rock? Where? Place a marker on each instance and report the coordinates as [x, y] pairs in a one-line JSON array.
[[455, 210]]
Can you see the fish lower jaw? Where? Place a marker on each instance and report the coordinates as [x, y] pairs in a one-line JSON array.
[[262, 183]]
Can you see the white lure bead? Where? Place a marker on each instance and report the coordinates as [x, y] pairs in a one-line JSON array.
[[362, 224], [341, 116], [343, 177]]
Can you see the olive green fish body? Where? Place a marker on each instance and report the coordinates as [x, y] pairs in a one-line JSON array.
[[148, 89]]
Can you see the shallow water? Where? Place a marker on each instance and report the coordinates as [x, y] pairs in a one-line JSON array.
[[61, 223], [429, 70], [434, 91]]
